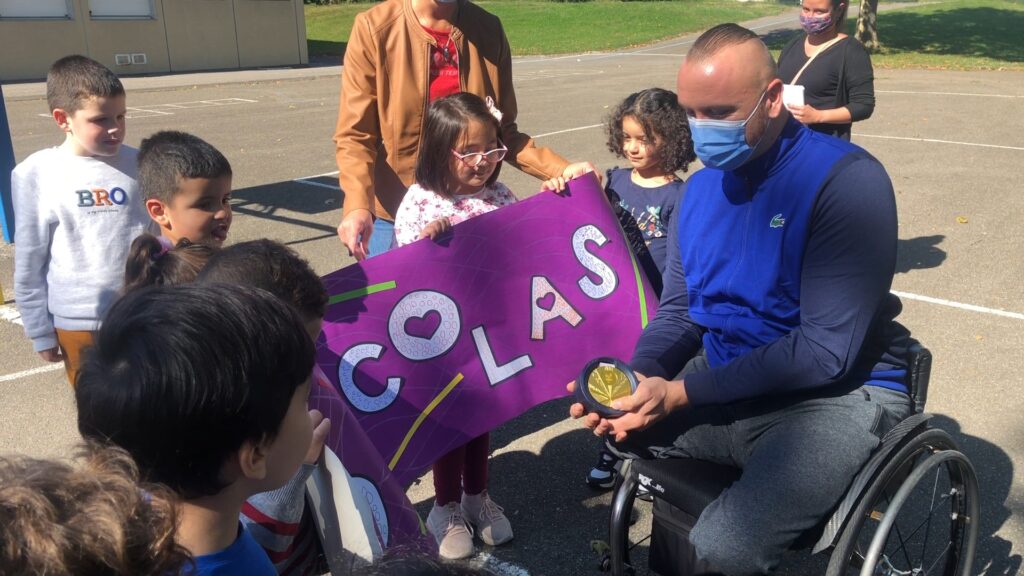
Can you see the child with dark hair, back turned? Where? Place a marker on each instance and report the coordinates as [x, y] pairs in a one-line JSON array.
[[206, 387], [77, 208], [187, 186], [280, 521]]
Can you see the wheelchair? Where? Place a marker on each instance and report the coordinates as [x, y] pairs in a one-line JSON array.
[[912, 509]]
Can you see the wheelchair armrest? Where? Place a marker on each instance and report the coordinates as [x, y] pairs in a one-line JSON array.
[[919, 370]]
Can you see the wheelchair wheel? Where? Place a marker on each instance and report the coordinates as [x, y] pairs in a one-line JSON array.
[[919, 517]]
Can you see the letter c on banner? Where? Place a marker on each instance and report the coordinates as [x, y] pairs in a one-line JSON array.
[[421, 307], [579, 246], [359, 399]]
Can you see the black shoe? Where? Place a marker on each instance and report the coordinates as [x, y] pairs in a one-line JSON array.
[[602, 476]]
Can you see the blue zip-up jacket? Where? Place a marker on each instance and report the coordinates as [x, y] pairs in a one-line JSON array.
[[781, 269]]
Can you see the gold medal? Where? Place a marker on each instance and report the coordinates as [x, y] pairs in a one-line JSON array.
[[603, 381]]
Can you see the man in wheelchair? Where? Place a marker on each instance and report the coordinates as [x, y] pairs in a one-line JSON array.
[[774, 349]]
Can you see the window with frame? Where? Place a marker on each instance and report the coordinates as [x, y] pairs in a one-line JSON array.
[[55, 9], [121, 9]]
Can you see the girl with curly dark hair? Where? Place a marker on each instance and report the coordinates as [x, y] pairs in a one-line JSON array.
[[648, 129]]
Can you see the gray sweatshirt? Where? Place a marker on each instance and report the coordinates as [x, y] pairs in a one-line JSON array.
[[75, 219]]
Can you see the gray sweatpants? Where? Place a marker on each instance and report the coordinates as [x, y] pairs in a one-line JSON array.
[[798, 454]]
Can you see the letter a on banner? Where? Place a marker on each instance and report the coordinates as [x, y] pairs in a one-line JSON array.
[[540, 313]]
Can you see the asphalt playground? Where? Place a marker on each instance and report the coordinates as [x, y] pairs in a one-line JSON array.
[[951, 142]]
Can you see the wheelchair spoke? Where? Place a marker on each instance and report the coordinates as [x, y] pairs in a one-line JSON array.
[[923, 524], [940, 498], [931, 510], [949, 545]]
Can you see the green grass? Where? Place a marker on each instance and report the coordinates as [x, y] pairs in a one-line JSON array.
[[950, 35], [545, 27]]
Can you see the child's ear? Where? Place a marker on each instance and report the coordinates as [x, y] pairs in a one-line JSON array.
[[62, 118], [157, 211], [252, 460]]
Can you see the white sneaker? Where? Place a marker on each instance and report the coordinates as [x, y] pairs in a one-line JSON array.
[[448, 526], [488, 518]]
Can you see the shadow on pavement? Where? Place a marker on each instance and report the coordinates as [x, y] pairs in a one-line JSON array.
[[554, 514], [314, 196], [919, 253], [995, 476]]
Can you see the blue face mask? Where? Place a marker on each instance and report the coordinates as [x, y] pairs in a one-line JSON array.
[[722, 144]]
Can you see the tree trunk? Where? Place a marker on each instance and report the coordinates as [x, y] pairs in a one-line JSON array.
[[867, 25]]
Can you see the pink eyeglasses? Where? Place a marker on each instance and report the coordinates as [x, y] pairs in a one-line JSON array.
[[473, 159]]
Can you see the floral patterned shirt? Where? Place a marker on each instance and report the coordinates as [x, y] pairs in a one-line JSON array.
[[420, 207]]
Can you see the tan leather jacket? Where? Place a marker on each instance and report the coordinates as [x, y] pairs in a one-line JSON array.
[[384, 99]]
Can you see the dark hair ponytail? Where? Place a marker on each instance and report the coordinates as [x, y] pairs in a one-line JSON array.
[[151, 262]]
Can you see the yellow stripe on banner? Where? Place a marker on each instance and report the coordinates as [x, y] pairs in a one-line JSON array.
[[419, 419]]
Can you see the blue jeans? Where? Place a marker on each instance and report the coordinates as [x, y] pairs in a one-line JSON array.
[[383, 237], [799, 453]]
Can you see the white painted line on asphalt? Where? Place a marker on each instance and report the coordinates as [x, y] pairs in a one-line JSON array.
[[567, 130], [960, 305], [651, 54], [318, 184], [25, 373], [949, 94], [10, 313], [335, 173], [936, 141]]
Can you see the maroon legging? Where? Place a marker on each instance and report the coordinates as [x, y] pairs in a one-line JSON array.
[[462, 468]]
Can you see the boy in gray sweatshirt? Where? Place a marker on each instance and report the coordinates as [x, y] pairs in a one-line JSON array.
[[77, 208]]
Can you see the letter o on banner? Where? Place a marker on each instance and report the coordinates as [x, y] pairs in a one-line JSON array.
[[433, 319]]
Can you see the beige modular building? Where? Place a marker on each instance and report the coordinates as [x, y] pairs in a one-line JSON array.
[[150, 36]]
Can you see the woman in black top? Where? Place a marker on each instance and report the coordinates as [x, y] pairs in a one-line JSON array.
[[839, 82]]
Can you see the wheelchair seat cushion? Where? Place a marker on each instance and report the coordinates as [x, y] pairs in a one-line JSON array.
[[686, 483]]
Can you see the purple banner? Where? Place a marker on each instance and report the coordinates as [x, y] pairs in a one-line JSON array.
[[433, 344]]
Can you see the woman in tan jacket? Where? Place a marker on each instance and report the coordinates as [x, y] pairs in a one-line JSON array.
[[401, 55]]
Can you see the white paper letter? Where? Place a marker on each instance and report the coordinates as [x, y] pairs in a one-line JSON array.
[[425, 308], [346, 369], [539, 315], [593, 263], [497, 374]]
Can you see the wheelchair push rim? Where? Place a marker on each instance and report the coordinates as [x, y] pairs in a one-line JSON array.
[[921, 520]]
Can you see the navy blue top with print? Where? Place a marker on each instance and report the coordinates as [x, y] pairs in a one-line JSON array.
[[652, 211]]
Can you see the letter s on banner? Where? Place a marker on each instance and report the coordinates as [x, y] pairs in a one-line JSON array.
[[359, 399], [608, 279]]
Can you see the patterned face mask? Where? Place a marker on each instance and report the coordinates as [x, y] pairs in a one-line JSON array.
[[816, 25]]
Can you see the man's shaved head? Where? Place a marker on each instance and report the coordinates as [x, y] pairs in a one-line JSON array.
[[714, 40], [729, 75]]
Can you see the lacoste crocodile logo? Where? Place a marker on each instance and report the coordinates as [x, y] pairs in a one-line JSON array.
[[777, 221]]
